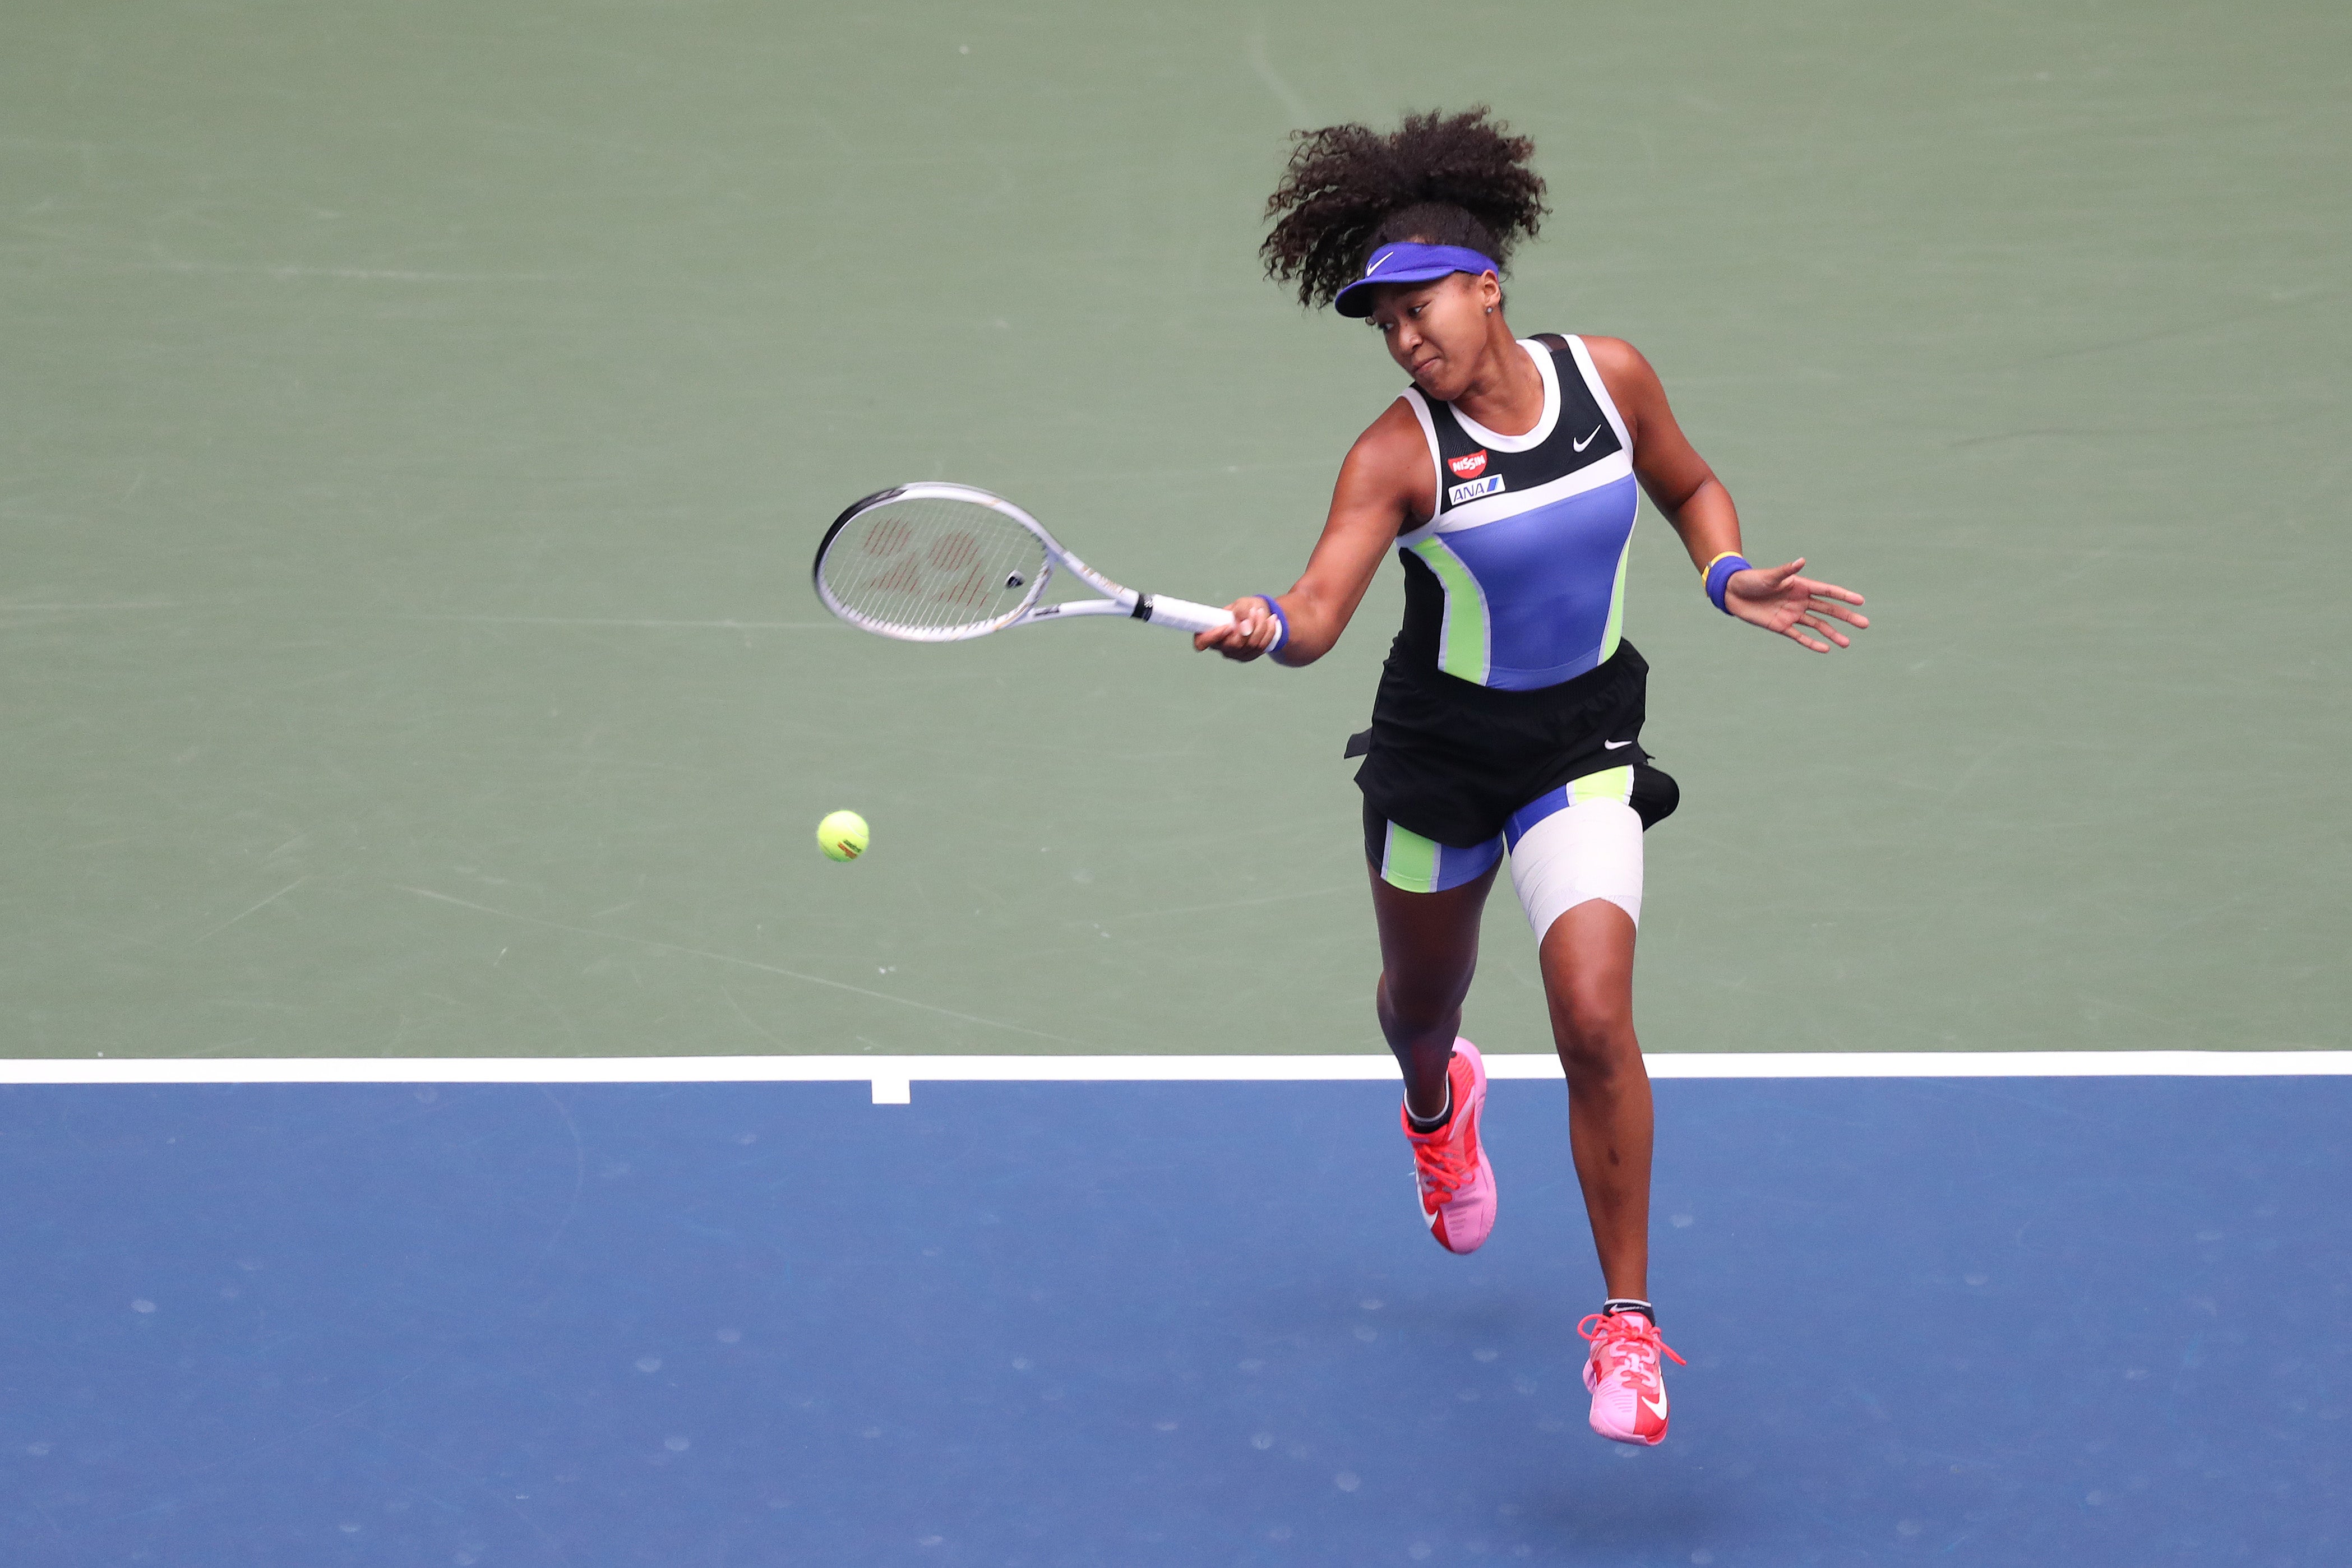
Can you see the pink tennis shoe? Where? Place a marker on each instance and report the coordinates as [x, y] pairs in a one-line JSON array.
[[1627, 1380], [1457, 1184]]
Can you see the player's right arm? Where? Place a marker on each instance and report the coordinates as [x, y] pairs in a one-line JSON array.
[[1386, 488]]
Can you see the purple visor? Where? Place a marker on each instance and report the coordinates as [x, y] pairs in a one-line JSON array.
[[1407, 262]]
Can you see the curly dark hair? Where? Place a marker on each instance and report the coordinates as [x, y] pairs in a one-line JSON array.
[[1443, 179]]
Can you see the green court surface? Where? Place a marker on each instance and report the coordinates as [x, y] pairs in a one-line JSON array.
[[420, 418]]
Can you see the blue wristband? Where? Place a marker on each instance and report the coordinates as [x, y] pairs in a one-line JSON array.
[[1719, 577], [1281, 625]]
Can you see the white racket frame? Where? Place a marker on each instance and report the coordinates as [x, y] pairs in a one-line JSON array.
[[1157, 610]]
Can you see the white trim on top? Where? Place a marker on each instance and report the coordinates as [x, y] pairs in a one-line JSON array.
[[1420, 407], [893, 1076], [1533, 438], [1504, 505], [1600, 391]]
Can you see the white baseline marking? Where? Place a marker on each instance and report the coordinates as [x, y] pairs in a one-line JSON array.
[[893, 1074]]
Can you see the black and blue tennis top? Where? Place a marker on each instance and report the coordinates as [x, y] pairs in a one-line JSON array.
[[1518, 580]]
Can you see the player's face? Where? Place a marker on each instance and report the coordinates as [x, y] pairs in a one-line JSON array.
[[1437, 331]]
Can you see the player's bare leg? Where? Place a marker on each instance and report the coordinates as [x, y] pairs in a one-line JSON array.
[[1588, 969], [1429, 950]]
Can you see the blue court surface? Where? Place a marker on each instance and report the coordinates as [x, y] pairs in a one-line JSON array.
[[2050, 1321]]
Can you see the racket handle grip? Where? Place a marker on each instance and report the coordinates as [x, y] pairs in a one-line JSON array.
[[1183, 615]]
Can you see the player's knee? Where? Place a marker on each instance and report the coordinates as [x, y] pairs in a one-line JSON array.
[[1593, 1025]]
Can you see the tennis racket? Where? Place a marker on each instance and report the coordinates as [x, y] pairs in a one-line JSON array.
[[931, 562]]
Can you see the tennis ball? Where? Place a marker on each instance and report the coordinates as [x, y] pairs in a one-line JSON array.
[[842, 835]]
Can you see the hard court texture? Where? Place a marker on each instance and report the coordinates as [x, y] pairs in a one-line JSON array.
[[1999, 1322], [420, 416]]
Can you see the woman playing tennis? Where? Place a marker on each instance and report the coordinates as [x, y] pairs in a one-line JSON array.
[[1509, 717]]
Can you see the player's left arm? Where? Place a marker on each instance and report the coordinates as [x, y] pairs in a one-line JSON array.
[[1693, 500]]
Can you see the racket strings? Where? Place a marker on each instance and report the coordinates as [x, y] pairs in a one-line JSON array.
[[928, 563]]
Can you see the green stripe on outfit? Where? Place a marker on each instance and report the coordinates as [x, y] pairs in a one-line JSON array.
[[1609, 784], [1409, 861], [1464, 649], [1609, 633]]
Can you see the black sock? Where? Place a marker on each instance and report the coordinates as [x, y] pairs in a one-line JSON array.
[[1616, 1304], [1439, 1120]]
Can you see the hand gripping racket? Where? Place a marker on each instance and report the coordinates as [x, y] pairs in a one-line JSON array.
[[932, 562]]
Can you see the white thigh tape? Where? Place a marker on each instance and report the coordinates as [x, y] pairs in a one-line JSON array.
[[1591, 850]]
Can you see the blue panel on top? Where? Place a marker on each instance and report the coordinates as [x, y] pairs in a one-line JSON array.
[[1994, 1321], [1548, 574]]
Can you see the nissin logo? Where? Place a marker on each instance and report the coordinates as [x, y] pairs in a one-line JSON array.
[[1473, 490], [1468, 467]]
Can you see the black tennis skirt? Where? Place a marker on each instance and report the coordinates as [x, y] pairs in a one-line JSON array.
[[1451, 760]]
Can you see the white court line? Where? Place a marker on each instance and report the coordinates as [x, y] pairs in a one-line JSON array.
[[894, 1076]]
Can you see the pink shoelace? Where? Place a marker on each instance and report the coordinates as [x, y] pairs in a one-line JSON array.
[[1442, 1162], [1631, 1336]]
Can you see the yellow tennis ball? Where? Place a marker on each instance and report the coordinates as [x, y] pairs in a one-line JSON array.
[[842, 835]]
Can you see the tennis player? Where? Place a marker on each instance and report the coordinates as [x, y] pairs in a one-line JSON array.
[[1507, 724]]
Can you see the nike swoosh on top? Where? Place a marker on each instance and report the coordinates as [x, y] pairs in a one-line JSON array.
[[1379, 264], [1614, 745], [1580, 445]]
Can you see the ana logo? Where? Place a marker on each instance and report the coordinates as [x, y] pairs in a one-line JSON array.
[[1474, 489], [1468, 467]]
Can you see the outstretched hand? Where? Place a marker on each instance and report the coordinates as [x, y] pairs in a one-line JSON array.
[[1250, 634], [1777, 599]]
